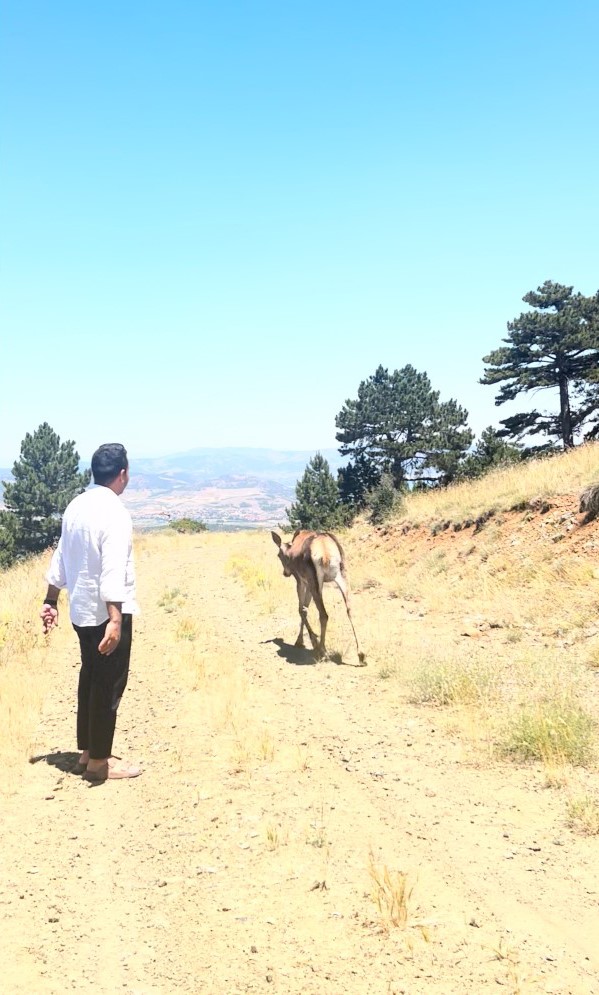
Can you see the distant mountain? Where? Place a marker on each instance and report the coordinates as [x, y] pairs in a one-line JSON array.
[[226, 488], [207, 464]]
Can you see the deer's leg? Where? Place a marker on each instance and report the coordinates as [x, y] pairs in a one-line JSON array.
[[343, 585], [304, 597], [324, 618]]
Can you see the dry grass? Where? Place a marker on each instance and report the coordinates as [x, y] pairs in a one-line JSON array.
[[556, 731], [391, 892], [273, 836], [453, 679], [257, 575], [188, 629], [492, 621], [171, 599], [583, 815], [505, 489], [28, 661]]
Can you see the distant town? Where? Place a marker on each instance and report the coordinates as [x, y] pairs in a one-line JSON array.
[[228, 488]]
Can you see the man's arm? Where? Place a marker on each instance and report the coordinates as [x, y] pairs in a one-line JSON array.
[[115, 546], [56, 578], [112, 634], [49, 612]]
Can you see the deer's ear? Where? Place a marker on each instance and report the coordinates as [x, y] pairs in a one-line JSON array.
[[276, 539]]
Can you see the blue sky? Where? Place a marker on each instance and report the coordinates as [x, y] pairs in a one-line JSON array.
[[217, 219]]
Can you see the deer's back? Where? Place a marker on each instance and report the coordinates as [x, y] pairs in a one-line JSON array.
[[320, 548]]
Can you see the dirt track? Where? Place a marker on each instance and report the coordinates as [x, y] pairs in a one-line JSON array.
[[239, 861]]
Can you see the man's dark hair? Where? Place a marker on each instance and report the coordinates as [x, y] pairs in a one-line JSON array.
[[108, 461]]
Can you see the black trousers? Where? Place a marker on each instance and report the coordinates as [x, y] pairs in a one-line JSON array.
[[102, 681]]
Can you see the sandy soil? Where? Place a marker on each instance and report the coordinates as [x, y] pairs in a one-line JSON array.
[[239, 861]]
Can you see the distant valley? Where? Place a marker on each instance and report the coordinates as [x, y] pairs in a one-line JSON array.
[[226, 488]]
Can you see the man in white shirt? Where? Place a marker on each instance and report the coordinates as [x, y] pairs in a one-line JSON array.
[[94, 562]]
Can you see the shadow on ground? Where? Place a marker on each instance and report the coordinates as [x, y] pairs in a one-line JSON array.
[[62, 761], [297, 655]]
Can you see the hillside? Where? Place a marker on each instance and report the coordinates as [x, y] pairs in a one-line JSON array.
[[427, 824]]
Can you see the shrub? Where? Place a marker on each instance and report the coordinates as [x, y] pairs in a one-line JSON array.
[[452, 682], [554, 731], [583, 815], [188, 525]]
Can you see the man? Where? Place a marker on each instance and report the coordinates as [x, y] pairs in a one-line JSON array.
[[94, 561]]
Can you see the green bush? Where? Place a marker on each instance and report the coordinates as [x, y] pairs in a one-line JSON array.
[[188, 525]]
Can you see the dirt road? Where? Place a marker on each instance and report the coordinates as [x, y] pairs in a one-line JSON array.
[[274, 792]]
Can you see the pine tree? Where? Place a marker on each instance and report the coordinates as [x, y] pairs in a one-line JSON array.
[[397, 425], [491, 451], [318, 502], [384, 501], [46, 478], [553, 347]]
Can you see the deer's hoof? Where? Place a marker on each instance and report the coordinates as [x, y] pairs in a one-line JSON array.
[[362, 659]]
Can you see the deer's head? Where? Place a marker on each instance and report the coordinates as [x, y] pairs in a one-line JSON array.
[[283, 553]]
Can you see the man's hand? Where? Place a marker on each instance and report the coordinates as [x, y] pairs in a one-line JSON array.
[[112, 638], [49, 617]]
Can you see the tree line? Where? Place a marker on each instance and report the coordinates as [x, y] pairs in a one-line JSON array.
[[399, 435], [397, 432]]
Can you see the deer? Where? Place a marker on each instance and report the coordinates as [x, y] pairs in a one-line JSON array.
[[315, 559]]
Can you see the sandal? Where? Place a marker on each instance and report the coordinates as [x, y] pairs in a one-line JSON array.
[[112, 772]]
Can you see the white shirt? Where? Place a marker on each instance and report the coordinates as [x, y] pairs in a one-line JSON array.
[[94, 558]]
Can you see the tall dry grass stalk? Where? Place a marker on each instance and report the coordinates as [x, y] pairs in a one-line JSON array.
[[392, 894], [28, 661]]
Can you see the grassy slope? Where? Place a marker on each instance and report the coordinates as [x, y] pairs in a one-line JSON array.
[[564, 475]]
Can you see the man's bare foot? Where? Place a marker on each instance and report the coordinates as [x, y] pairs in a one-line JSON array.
[[111, 769]]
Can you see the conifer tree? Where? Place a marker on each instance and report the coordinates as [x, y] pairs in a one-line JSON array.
[[554, 347], [397, 425], [491, 451], [46, 478], [318, 502]]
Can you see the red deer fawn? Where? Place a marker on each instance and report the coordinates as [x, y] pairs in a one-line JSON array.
[[314, 559]]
